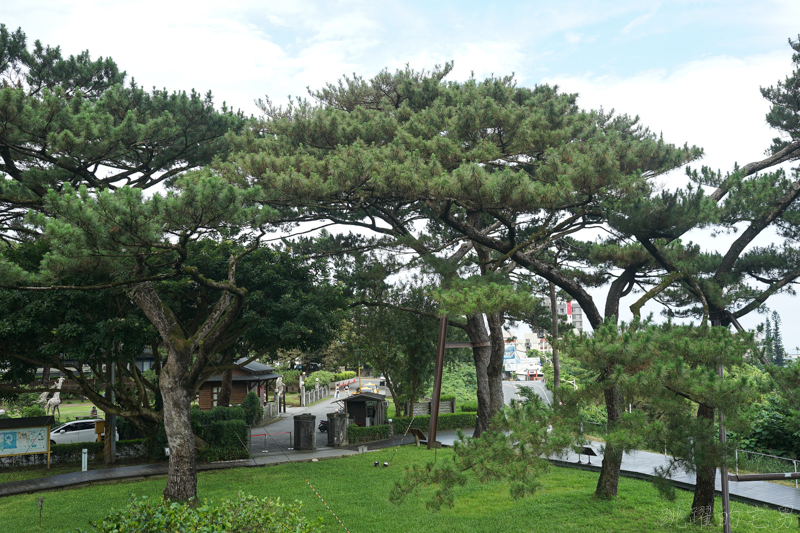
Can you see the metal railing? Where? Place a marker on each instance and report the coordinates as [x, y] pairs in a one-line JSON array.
[[763, 463]]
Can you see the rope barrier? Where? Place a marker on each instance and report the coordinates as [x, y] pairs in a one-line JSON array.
[[309, 484]]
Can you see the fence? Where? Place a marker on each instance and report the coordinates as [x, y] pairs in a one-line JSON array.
[[314, 395], [763, 463], [271, 410]]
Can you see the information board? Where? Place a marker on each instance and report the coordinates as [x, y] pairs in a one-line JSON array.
[[23, 441]]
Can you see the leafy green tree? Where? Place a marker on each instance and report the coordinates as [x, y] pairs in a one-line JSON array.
[[75, 121], [509, 168], [141, 242]]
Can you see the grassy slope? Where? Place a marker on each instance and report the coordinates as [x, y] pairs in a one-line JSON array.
[[357, 492]]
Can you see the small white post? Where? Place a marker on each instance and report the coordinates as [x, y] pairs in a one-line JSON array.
[[84, 460]]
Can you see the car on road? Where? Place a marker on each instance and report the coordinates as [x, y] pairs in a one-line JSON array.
[[75, 431]]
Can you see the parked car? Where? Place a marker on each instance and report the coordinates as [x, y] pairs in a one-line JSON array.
[[75, 431]]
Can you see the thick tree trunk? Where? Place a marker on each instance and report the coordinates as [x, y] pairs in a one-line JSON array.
[[494, 369], [182, 477], [554, 337], [706, 470], [224, 396], [476, 330], [46, 374], [612, 458]]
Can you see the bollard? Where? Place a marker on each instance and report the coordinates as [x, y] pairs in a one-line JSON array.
[[84, 460]]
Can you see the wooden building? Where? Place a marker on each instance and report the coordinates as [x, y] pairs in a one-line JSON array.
[[366, 409], [256, 377]]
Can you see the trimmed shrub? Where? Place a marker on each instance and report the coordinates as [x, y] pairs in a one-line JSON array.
[[126, 430], [215, 453], [468, 407], [244, 514], [205, 418], [323, 376], [347, 374], [72, 451], [227, 434], [252, 408], [446, 421], [358, 434], [33, 410]]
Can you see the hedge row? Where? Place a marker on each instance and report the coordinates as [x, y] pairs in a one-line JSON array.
[[72, 451], [216, 453], [347, 374], [226, 434], [468, 407], [323, 377], [218, 413], [446, 421], [358, 434]]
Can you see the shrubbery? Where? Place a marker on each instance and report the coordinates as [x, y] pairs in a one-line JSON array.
[[214, 453], [357, 434], [446, 421], [204, 418], [290, 377], [324, 378], [347, 374], [252, 408], [33, 410], [226, 434], [72, 451], [244, 514], [468, 407]]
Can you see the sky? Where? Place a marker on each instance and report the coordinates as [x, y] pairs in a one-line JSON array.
[[689, 69]]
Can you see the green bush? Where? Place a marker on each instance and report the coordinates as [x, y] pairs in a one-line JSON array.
[[347, 374], [244, 514], [468, 407], [219, 413], [447, 397], [227, 434], [215, 453], [446, 421], [33, 410], [72, 451], [324, 378], [357, 434], [252, 408]]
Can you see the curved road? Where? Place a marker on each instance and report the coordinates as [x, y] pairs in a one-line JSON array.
[[510, 391]]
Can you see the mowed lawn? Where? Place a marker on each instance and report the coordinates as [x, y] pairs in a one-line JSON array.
[[358, 493]]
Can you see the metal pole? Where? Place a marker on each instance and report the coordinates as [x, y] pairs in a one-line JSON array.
[[726, 497], [437, 381], [795, 471]]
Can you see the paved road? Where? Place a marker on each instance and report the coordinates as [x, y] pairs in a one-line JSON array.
[[510, 389]]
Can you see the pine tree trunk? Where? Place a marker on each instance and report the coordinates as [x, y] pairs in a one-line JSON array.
[[476, 330], [182, 476], [706, 470], [612, 458], [224, 396], [494, 370]]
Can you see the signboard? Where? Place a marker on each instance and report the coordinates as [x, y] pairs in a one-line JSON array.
[[510, 352], [23, 441], [25, 436]]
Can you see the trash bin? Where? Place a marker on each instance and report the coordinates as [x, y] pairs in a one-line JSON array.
[[337, 429], [305, 432]]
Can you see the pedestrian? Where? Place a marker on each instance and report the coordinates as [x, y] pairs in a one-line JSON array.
[[347, 389], [337, 391], [93, 412]]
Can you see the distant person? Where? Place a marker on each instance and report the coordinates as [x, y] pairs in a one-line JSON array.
[[337, 391], [347, 389], [93, 412]]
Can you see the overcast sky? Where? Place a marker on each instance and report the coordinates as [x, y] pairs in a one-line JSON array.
[[689, 69]]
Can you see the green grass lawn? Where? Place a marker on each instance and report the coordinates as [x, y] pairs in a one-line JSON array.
[[357, 492]]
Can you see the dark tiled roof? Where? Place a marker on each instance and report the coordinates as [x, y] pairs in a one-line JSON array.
[[365, 396], [249, 377]]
